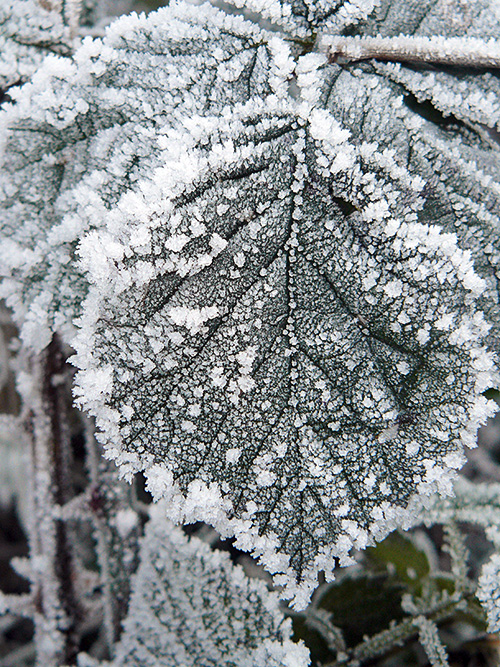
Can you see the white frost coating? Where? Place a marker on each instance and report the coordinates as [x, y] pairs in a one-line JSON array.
[[263, 403], [302, 18], [474, 100], [28, 33], [471, 97], [192, 318], [457, 51], [488, 592], [96, 124], [191, 606], [464, 194], [428, 636]]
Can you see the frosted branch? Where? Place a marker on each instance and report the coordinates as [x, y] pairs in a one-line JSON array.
[[429, 638], [51, 555], [454, 51]]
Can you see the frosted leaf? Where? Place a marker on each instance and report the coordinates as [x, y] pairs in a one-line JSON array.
[[474, 99], [191, 606], [29, 30], [448, 18], [304, 18], [488, 592], [470, 97], [457, 166], [84, 131], [304, 363]]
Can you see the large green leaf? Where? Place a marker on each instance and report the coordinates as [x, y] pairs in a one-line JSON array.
[[280, 345]]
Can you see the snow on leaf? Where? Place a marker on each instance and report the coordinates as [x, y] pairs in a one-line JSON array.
[[29, 30], [306, 364], [85, 130], [191, 606]]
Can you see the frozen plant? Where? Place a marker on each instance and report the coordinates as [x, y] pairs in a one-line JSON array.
[[212, 613], [270, 233]]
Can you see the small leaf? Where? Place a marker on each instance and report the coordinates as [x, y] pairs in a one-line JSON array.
[[363, 605], [191, 606], [401, 555]]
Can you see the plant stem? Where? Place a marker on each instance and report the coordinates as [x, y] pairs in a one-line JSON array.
[[51, 556], [453, 52], [397, 635]]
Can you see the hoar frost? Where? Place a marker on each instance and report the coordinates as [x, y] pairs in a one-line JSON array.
[[83, 131], [291, 295], [191, 606], [301, 399]]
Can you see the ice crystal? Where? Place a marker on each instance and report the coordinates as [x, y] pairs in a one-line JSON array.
[[294, 263], [488, 592], [191, 606], [29, 30], [279, 343], [84, 131], [303, 18], [468, 96], [457, 162], [429, 638]]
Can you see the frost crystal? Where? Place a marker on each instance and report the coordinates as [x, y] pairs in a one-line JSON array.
[[292, 292], [191, 606], [488, 592], [29, 30], [457, 164], [305, 362], [84, 131], [467, 96], [303, 18]]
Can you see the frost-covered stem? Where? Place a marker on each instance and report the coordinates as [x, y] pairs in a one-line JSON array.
[[397, 635], [455, 546], [111, 617], [52, 569], [428, 636], [454, 51]]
